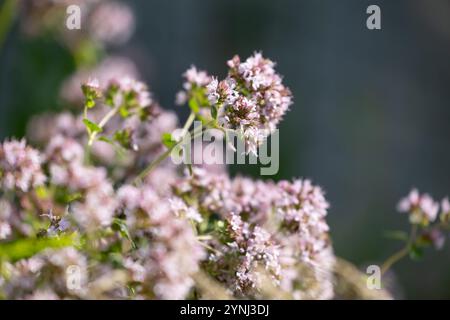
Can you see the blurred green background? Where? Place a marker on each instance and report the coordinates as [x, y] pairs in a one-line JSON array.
[[371, 112]]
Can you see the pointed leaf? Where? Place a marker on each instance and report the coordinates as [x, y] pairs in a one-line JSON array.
[[91, 126], [167, 140]]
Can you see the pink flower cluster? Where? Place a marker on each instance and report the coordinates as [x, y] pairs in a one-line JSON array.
[[254, 247], [111, 23], [257, 78], [277, 226], [252, 99], [106, 22], [96, 209], [423, 213], [422, 209], [154, 234], [165, 265], [20, 166], [48, 267], [168, 227], [5, 216], [303, 208], [194, 79]]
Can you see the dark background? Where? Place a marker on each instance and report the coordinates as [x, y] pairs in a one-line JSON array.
[[371, 113]]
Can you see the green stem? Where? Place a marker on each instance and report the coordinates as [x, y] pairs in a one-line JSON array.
[[188, 124], [164, 155], [394, 259], [103, 122], [401, 253], [158, 160], [152, 165], [207, 246]]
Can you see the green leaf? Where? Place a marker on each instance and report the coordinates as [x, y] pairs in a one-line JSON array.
[[214, 112], [117, 147], [91, 126], [193, 104], [167, 140], [90, 103], [123, 137], [73, 197], [415, 252], [121, 226], [25, 248], [124, 113], [110, 95], [106, 139], [397, 235], [64, 196], [202, 98], [42, 192]]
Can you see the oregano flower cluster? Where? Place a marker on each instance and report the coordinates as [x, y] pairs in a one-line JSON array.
[[100, 194], [92, 207], [250, 101], [157, 232]]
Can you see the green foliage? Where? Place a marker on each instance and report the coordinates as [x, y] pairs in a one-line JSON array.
[[415, 252], [91, 126], [397, 235], [27, 247], [124, 112], [214, 112], [198, 99], [121, 226], [110, 94], [193, 104], [123, 138], [167, 140], [106, 140]]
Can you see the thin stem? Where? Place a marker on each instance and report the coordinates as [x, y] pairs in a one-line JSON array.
[[394, 259], [153, 165], [87, 149], [103, 122], [164, 155], [188, 123], [204, 237], [401, 253], [209, 247], [108, 117]]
